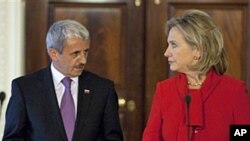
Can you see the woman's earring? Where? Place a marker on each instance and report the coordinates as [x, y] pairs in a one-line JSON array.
[[196, 58]]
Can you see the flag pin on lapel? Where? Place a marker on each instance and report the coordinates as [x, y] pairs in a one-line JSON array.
[[86, 91]]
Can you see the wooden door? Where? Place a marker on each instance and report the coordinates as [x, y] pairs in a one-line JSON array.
[[116, 52], [233, 18]]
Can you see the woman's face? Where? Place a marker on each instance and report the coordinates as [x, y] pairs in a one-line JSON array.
[[179, 53]]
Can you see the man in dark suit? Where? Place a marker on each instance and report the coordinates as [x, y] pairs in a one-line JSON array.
[[38, 109]]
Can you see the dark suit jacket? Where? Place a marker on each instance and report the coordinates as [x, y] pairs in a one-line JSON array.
[[33, 112]]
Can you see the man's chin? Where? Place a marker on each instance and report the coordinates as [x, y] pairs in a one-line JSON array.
[[76, 73]]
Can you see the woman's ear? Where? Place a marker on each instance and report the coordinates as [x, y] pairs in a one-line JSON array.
[[197, 53], [53, 54]]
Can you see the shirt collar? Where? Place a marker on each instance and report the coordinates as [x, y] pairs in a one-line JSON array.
[[58, 76]]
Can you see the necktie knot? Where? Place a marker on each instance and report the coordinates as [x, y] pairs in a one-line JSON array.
[[66, 82]]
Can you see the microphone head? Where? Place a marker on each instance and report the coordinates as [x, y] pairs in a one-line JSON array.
[[2, 96], [188, 99]]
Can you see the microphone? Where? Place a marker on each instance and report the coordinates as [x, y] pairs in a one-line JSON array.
[[188, 100], [2, 97]]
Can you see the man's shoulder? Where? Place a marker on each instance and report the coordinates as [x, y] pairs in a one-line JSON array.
[[33, 75], [90, 76]]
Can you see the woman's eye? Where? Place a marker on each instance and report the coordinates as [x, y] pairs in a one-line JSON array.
[[173, 45]]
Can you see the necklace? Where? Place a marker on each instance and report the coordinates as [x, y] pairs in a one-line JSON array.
[[194, 84]]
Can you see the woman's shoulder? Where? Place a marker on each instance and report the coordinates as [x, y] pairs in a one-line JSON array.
[[231, 80], [168, 81]]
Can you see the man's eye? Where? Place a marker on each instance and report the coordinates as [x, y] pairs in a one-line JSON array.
[[86, 51], [75, 54]]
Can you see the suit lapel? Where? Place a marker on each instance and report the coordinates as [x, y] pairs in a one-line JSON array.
[[52, 104], [84, 99]]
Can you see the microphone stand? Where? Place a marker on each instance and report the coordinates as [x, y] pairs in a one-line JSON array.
[[188, 100]]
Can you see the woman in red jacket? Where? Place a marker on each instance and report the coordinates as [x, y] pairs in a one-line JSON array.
[[200, 102]]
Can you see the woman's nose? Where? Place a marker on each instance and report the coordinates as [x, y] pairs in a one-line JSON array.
[[167, 52]]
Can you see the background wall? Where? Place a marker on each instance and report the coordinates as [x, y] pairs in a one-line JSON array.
[[127, 34], [11, 48]]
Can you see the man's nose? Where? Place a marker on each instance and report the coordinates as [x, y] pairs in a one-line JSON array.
[[83, 59]]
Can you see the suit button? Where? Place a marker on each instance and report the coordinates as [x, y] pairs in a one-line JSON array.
[[196, 131]]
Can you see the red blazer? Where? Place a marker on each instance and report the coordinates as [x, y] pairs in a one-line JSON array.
[[219, 102]]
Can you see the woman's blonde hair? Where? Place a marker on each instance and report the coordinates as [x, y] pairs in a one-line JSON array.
[[201, 33]]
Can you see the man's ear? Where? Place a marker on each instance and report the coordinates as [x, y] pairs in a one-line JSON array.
[[53, 54]]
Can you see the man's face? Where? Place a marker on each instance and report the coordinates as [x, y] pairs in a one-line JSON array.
[[73, 58]]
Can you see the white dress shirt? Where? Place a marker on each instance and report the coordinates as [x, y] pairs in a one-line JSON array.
[[59, 87]]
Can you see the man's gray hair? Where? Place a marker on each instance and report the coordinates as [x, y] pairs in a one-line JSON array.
[[62, 30]]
